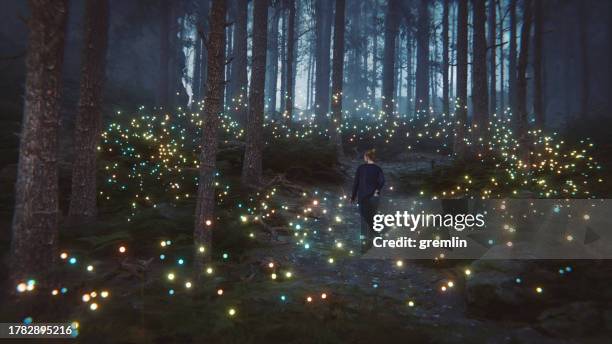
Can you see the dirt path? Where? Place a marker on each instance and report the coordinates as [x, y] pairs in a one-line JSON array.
[[325, 255]]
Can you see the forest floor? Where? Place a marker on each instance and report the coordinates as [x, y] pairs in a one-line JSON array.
[[352, 298]]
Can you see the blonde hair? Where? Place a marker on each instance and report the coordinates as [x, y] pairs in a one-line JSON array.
[[370, 154]]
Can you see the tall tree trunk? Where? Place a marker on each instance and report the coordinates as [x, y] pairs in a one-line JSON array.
[[521, 82], [290, 62], [445, 63], [205, 204], [392, 20], [272, 70], [251, 165], [229, 51], [88, 121], [204, 26], [453, 58], [164, 53], [492, 58], [408, 72], [35, 218], [479, 69], [462, 76], [238, 80], [512, 61], [283, 58], [374, 76], [323, 46], [501, 60], [585, 79], [196, 83], [337, 75], [538, 105], [422, 81], [355, 88]]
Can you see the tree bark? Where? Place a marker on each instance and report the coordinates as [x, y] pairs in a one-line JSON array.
[[479, 69], [337, 75], [290, 62], [521, 84], [409, 68], [88, 121], [374, 76], [35, 218], [251, 166], [392, 20], [272, 70], [323, 46], [492, 58], [501, 62], [422, 81], [164, 53], [238, 80], [512, 61], [585, 79], [538, 100], [205, 203], [462, 75], [445, 58]]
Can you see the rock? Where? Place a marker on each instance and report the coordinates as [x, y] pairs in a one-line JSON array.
[[576, 319]]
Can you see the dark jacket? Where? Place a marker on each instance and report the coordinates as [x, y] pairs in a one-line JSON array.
[[369, 178]]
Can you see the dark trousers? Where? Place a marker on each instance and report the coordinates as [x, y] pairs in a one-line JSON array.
[[367, 209]]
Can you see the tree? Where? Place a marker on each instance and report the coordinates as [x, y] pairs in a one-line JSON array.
[[337, 75], [479, 68], [323, 42], [492, 58], [251, 165], [392, 21], [164, 53], [422, 80], [445, 58], [521, 80], [205, 203], [272, 70], [238, 80], [462, 74], [585, 80], [512, 59], [501, 59], [538, 105], [35, 219], [88, 121], [290, 61], [409, 93]]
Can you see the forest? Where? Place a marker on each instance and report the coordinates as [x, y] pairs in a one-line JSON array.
[[180, 171]]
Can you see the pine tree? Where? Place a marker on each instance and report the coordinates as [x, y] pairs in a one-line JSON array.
[[392, 21], [422, 80], [337, 75], [251, 165], [238, 80], [88, 121], [205, 203], [35, 219], [479, 69], [462, 75]]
